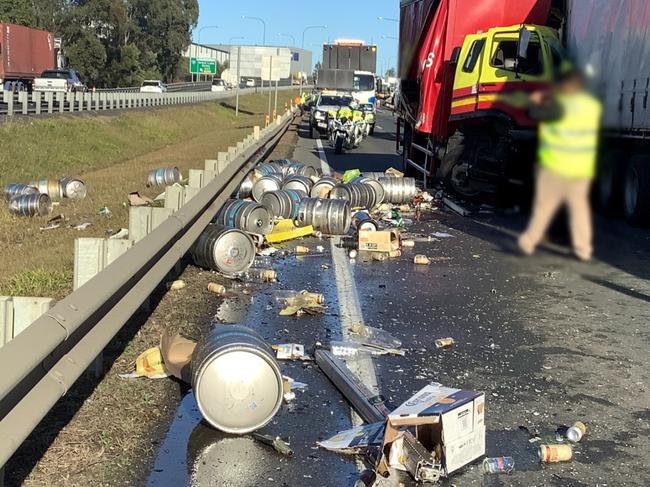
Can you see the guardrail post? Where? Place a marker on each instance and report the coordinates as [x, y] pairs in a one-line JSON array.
[[232, 153], [174, 197], [211, 165], [189, 193], [70, 99], [240, 146], [49, 98], [223, 158], [60, 100], [196, 178], [80, 101], [9, 100], [139, 222], [88, 99], [256, 132], [36, 99], [23, 99], [208, 176]]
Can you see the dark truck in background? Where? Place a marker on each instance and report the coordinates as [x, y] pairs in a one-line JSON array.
[[25, 53], [466, 66]]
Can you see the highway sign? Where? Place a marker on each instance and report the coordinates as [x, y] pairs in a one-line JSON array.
[[203, 66], [271, 68]]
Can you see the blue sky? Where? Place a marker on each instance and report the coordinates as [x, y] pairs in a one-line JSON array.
[[356, 19]]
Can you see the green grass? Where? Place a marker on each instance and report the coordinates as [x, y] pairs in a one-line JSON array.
[[52, 147], [38, 282]]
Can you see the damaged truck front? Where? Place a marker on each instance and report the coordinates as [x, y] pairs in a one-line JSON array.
[[466, 66]]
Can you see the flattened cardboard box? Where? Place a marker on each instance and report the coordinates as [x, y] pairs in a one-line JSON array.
[[383, 241], [450, 423]]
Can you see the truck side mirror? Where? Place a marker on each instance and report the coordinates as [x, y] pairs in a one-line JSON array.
[[455, 55], [524, 40]]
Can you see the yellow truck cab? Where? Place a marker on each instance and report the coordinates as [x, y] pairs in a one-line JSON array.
[[491, 133]]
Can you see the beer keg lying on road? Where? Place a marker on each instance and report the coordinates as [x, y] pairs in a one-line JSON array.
[[322, 187], [236, 380], [377, 186], [331, 216], [283, 203], [300, 169], [398, 190], [269, 182], [226, 250], [247, 216], [359, 195], [363, 221], [297, 182]]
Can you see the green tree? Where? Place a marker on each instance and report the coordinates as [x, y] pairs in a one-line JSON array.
[[88, 55], [17, 12]]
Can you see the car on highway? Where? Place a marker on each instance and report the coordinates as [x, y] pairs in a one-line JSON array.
[[153, 86], [60, 80], [218, 84], [327, 101], [250, 83]]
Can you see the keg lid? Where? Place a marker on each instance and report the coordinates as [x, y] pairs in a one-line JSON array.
[[234, 252], [238, 390]]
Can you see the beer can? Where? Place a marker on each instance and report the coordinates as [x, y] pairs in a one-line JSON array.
[[555, 453], [215, 288], [421, 260], [575, 433]]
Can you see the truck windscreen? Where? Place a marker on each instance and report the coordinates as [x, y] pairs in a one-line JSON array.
[[363, 82]]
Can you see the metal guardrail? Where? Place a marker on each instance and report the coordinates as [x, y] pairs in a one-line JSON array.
[[39, 103], [171, 87], [42, 363]]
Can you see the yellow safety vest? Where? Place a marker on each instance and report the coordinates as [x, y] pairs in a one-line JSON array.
[[568, 146]]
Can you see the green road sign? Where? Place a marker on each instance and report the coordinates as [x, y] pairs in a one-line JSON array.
[[203, 66]]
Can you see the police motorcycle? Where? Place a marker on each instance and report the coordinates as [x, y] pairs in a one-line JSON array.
[[369, 117], [347, 128]]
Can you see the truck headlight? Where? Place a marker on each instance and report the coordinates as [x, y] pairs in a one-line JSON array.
[[319, 115]]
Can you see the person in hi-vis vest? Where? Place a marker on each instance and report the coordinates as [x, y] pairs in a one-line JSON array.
[[568, 142]]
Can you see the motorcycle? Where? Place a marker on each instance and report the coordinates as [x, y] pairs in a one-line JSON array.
[[369, 117], [345, 130]]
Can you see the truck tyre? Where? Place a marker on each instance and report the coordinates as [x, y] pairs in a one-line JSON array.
[[636, 193], [372, 130], [338, 145], [611, 172], [454, 168]]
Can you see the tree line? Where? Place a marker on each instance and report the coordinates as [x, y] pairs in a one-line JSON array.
[[114, 42]]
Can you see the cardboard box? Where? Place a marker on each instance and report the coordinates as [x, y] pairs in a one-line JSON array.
[[449, 423], [383, 241]]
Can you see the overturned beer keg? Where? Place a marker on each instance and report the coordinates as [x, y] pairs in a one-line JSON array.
[[376, 185], [322, 187], [300, 169], [273, 167], [226, 250], [398, 190], [247, 216], [165, 176], [31, 205], [269, 182], [299, 183], [363, 221], [236, 380], [12, 190], [246, 187], [331, 216], [283, 203], [50, 187], [359, 195], [74, 188]]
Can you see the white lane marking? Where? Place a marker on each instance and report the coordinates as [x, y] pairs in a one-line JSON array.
[[380, 127], [349, 306], [350, 313]]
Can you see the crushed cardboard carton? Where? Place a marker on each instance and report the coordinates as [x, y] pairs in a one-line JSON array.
[[148, 364], [382, 241], [449, 423], [286, 230], [177, 352], [290, 351]]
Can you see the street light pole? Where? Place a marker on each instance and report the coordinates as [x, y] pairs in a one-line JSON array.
[[302, 45], [293, 39], [263, 25], [206, 27], [387, 19]]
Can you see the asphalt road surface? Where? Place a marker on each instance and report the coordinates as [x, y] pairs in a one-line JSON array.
[[548, 339]]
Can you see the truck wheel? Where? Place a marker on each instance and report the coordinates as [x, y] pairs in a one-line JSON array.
[[636, 196], [372, 130], [610, 180], [455, 170]]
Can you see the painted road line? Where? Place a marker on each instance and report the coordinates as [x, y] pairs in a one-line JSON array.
[[349, 306]]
